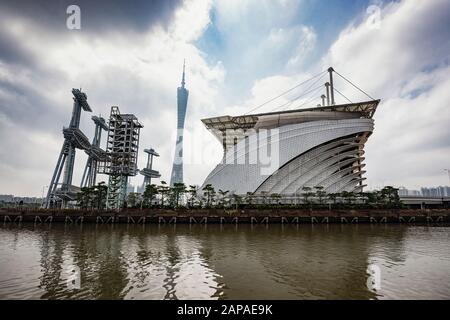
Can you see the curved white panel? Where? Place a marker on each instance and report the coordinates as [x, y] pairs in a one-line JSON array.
[[295, 174], [301, 147]]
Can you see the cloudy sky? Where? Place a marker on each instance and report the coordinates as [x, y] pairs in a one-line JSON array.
[[239, 54]]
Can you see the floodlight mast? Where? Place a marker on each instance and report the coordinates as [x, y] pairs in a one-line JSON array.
[[327, 87], [73, 139], [95, 154], [330, 71], [323, 97], [148, 171]]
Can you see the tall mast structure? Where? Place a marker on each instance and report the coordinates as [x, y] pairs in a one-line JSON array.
[[122, 152], [95, 154], [148, 171], [73, 139], [182, 99]]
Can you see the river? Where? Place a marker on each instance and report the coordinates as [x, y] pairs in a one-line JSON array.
[[224, 262]]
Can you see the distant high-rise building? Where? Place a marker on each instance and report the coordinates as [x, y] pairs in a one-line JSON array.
[[436, 192], [182, 98], [406, 192], [130, 188], [403, 191], [6, 197]]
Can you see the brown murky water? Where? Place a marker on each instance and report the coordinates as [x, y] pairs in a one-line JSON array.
[[228, 262]]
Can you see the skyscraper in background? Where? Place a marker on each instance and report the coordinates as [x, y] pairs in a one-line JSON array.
[[182, 98]]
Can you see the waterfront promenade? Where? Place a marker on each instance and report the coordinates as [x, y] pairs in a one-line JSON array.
[[225, 216]]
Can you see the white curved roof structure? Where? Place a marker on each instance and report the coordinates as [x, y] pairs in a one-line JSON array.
[[282, 152]]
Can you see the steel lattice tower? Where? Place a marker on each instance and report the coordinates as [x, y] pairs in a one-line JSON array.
[[182, 99], [95, 154], [73, 139], [122, 151]]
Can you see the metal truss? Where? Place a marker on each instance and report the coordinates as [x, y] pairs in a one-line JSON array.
[[95, 154], [73, 139], [117, 191], [122, 151]]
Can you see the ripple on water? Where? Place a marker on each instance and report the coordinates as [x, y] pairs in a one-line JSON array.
[[228, 262]]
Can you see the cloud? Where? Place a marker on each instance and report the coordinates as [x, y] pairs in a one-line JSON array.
[[405, 62], [256, 39], [412, 36], [254, 13], [305, 42], [97, 17], [138, 70], [131, 56], [411, 145], [191, 20]]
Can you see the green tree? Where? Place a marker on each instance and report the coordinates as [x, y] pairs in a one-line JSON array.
[[364, 197], [151, 191], [390, 196], [237, 200], [321, 194], [192, 191], [179, 189], [332, 197], [223, 197], [163, 190], [134, 199], [84, 198], [249, 198], [210, 194], [264, 195], [307, 194], [100, 192], [275, 197], [372, 199], [348, 196]]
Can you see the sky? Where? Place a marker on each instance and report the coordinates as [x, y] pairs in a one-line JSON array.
[[238, 54]]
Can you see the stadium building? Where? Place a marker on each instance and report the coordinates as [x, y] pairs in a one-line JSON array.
[[283, 152]]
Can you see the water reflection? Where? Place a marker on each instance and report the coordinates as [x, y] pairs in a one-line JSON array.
[[223, 262]]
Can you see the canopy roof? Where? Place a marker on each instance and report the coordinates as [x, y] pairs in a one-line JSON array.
[[228, 129]]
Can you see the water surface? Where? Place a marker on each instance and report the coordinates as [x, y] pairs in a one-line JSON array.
[[223, 262]]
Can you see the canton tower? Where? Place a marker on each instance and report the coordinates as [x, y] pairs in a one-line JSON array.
[[182, 98]]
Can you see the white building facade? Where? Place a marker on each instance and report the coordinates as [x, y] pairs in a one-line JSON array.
[[284, 152]]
